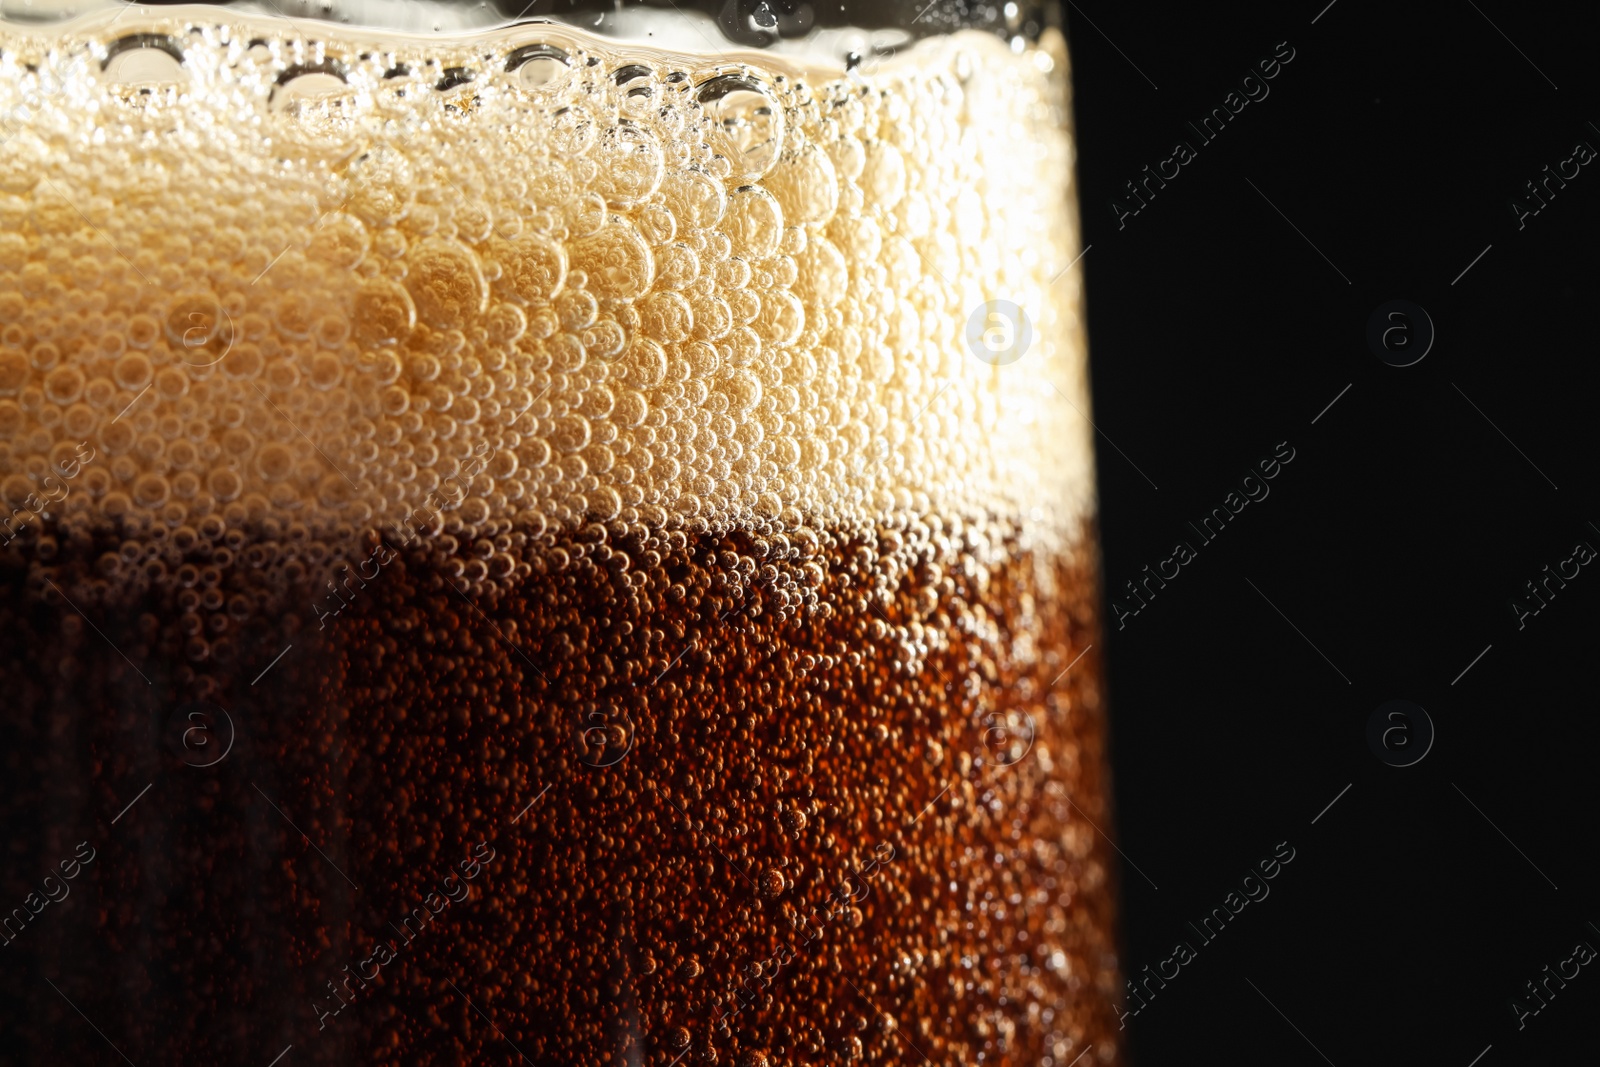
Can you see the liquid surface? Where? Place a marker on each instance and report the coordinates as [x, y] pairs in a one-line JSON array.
[[347, 284]]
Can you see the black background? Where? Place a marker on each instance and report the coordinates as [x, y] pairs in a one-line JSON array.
[[1390, 548]]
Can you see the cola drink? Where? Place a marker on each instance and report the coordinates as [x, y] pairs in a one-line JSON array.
[[529, 547]]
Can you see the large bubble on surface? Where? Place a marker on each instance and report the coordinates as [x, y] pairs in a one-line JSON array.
[[746, 123]]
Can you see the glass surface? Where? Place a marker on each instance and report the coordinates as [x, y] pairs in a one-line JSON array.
[[563, 538]]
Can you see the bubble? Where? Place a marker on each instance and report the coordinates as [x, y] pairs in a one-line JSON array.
[[744, 345], [733, 274], [537, 454], [331, 330], [532, 268], [242, 364], [781, 318], [274, 462], [631, 409], [616, 260], [585, 214], [883, 179], [16, 489], [666, 315], [604, 339], [822, 277], [151, 491], [572, 130], [383, 312], [111, 345], [567, 354], [224, 483], [317, 111], [505, 323], [303, 84], [390, 243], [446, 283], [678, 267], [64, 385], [295, 314], [340, 241], [380, 186], [656, 224], [644, 364], [744, 392], [326, 371], [754, 222], [806, 187], [696, 199], [144, 60], [630, 164], [576, 309], [54, 215], [80, 421], [703, 360], [538, 68], [22, 165], [605, 503], [394, 401], [747, 124], [171, 383], [13, 371], [14, 247], [745, 305], [713, 318], [571, 433]]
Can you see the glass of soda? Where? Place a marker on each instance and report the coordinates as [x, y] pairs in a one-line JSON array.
[[561, 535]]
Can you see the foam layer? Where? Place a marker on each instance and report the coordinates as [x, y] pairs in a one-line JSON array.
[[529, 278]]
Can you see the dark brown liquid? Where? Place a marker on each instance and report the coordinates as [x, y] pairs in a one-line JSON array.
[[721, 800]]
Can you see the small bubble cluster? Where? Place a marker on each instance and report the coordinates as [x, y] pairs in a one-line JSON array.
[[351, 285]]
